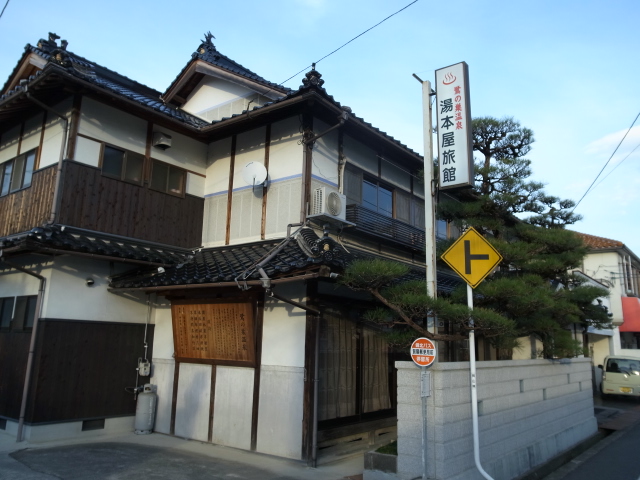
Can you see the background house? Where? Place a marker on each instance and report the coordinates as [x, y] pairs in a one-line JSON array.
[[611, 263]]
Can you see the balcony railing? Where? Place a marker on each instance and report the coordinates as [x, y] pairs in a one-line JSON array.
[[377, 225]]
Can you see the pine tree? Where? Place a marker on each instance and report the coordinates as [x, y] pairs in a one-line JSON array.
[[532, 293]]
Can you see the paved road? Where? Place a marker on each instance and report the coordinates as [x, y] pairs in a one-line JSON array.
[[615, 458], [156, 457]]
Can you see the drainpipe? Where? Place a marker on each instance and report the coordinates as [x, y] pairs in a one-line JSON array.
[[32, 343], [343, 117], [56, 191]]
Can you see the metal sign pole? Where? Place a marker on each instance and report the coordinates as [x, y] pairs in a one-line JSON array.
[[474, 391], [424, 384]]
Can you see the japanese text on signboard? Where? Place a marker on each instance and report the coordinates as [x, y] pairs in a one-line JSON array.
[[454, 126]]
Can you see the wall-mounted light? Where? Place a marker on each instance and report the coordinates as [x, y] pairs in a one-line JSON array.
[[90, 281]]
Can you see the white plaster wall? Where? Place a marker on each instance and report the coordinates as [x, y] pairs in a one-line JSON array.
[[111, 125], [280, 411], [163, 330], [212, 92], [68, 282], [53, 135], [606, 266], [246, 204], [284, 196], [162, 376], [218, 164], [360, 155], [216, 187], [529, 411], [14, 283], [286, 155], [325, 154], [87, 151], [32, 133], [195, 184], [283, 331], [185, 152], [233, 407], [9, 143], [193, 401]]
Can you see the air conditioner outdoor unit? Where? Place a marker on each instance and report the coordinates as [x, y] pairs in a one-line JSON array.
[[328, 202]]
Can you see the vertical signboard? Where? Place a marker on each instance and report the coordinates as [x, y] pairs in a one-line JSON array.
[[453, 114]]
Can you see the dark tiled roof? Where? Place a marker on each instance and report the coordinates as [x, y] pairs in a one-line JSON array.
[[313, 81], [597, 243], [238, 263], [115, 83], [64, 238], [124, 87], [207, 52]]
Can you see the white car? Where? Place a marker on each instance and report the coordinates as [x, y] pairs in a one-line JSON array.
[[620, 376]]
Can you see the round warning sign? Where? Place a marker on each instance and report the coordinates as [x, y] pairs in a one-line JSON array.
[[423, 352]]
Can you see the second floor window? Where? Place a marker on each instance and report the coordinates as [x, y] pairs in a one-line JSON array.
[[17, 172], [167, 178], [377, 197], [122, 164]]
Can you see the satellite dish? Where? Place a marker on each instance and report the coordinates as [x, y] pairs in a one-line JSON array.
[[254, 174]]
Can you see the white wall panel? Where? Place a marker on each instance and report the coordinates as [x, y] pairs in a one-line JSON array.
[[68, 280], [9, 143], [218, 164], [53, 134], [283, 334], [163, 332], [211, 92], [214, 227], [246, 206], [14, 283], [325, 154], [233, 407], [280, 411], [193, 401], [195, 185], [286, 155], [184, 152], [87, 151], [110, 125], [163, 370], [32, 133], [246, 215], [283, 206]]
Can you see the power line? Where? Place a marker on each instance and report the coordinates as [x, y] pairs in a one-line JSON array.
[[4, 8], [605, 165], [614, 168], [344, 45]]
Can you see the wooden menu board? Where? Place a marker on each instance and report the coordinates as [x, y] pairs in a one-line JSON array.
[[216, 331]]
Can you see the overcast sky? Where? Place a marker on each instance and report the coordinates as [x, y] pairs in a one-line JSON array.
[[567, 69]]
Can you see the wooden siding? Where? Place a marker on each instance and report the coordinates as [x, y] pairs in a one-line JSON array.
[[14, 348], [82, 368], [29, 207], [95, 202]]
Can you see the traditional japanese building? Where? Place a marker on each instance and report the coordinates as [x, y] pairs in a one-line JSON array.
[[199, 229]]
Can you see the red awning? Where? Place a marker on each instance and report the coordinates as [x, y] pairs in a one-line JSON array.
[[630, 314]]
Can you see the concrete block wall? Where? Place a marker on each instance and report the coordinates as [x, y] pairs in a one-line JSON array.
[[529, 411]]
